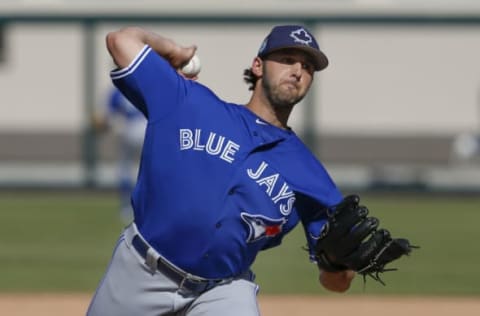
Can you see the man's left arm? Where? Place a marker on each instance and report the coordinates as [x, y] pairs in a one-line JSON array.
[[314, 221], [339, 281]]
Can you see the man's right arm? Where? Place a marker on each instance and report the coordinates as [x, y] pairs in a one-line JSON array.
[[124, 45]]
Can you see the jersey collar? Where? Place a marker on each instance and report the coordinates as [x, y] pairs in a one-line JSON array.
[[263, 133]]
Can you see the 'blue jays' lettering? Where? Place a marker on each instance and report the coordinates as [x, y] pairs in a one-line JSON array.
[[280, 191], [215, 144]]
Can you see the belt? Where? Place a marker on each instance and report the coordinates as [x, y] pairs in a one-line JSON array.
[[183, 279]]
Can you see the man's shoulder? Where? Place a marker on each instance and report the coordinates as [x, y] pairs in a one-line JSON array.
[[200, 93]]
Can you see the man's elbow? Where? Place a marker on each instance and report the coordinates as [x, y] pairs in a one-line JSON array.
[[124, 44], [114, 40], [339, 288], [336, 281]]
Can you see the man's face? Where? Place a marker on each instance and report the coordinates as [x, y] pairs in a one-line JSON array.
[[287, 76]]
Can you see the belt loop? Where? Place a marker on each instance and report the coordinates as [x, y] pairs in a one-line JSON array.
[[182, 283], [151, 260], [189, 284]]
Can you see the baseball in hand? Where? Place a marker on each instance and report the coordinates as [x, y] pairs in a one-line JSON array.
[[192, 68]]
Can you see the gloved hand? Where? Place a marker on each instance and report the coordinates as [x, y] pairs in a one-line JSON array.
[[351, 240]]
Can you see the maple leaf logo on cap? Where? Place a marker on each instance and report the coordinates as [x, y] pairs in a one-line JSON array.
[[301, 36]]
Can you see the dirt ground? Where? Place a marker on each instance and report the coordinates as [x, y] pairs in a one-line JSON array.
[[76, 304]]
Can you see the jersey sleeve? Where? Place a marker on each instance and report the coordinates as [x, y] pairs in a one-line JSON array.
[[315, 189], [151, 84], [313, 218], [318, 193]]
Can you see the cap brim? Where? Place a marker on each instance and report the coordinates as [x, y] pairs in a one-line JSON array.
[[319, 59]]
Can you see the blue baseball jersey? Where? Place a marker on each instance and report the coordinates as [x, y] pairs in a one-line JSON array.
[[216, 183], [118, 104]]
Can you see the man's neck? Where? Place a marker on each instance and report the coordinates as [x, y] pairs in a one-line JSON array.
[[269, 113]]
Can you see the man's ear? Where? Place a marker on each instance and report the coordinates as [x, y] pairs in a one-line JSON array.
[[257, 67]]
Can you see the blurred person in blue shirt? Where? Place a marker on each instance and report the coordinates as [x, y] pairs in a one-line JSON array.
[[129, 125]]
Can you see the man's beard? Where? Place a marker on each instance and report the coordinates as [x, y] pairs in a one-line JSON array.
[[278, 97]]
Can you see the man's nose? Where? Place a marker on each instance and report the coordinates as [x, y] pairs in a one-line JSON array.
[[297, 70]]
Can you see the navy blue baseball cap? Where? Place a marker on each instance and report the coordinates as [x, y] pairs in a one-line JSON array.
[[293, 36]]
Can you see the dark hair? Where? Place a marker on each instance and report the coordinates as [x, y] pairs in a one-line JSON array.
[[250, 78]]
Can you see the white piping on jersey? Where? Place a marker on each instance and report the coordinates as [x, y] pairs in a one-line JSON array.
[[117, 74]]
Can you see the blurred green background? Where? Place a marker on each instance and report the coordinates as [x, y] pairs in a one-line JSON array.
[[61, 241]]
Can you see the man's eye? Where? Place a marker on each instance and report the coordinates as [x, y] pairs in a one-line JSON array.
[[307, 66]]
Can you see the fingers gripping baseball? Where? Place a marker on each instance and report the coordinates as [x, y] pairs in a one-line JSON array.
[[179, 56], [353, 241], [192, 68]]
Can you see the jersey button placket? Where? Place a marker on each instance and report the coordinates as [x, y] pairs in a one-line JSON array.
[[259, 139]]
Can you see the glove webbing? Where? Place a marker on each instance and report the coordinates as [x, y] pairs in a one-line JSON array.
[[373, 269]]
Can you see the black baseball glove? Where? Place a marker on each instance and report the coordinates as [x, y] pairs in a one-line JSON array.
[[351, 240]]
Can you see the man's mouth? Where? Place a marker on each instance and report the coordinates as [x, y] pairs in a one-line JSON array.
[[291, 84]]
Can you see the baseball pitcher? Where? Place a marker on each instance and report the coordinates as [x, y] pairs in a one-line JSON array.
[[219, 182]]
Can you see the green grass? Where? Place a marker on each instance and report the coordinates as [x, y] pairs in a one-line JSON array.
[[55, 241], [62, 241], [445, 227]]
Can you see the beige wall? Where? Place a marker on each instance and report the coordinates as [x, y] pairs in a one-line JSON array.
[[40, 79], [389, 80], [401, 80]]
